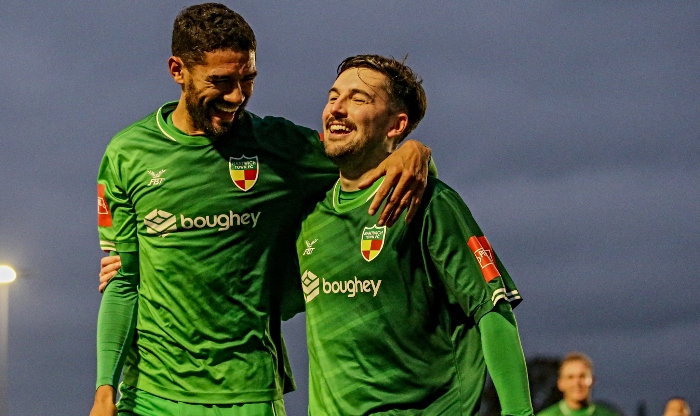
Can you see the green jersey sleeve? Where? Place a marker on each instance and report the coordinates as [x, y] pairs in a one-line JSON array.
[[505, 361], [116, 321], [470, 270], [116, 217], [116, 223]]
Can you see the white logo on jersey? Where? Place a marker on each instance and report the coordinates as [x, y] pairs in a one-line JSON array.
[[222, 221], [352, 287], [155, 177], [102, 206], [312, 288], [160, 222], [309, 282], [309, 247]]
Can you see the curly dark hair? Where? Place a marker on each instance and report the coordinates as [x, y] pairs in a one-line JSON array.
[[209, 27], [404, 87]]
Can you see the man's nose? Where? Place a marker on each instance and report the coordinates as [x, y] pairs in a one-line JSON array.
[[338, 107], [235, 95]]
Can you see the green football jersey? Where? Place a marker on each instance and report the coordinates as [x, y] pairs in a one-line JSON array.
[[392, 313], [561, 409], [214, 224]]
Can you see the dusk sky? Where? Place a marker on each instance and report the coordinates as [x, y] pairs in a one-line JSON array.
[[571, 129]]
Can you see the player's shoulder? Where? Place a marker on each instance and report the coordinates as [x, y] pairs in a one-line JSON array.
[[138, 131], [298, 145], [441, 202], [280, 126], [552, 410], [438, 186], [438, 192]]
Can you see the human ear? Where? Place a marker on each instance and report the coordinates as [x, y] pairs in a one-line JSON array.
[[398, 127], [177, 69]]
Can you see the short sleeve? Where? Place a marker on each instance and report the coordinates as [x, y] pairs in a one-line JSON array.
[[116, 216], [463, 257]]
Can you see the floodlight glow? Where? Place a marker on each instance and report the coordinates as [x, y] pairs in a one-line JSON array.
[[7, 274]]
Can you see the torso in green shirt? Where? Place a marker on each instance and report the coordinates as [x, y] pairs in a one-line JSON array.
[[214, 225], [561, 409], [392, 313]]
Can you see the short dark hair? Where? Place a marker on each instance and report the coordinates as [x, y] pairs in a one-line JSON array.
[[577, 356], [209, 27], [404, 88]]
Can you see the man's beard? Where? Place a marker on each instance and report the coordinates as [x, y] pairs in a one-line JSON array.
[[338, 154], [201, 114], [354, 155], [342, 154]]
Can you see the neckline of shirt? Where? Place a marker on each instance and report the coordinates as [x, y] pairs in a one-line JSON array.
[[169, 130], [362, 198]]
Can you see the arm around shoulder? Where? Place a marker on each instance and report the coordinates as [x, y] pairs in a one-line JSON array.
[[406, 172]]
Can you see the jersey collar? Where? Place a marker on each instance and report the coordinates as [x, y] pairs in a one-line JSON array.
[[588, 411], [175, 134], [362, 199]]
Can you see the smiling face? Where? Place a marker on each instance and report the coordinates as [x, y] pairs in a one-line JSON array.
[[358, 120], [216, 91], [575, 382]]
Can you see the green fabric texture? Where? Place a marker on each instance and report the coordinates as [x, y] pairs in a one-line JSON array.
[[505, 361], [561, 409], [432, 168], [116, 320], [139, 402], [347, 196], [213, 222], [392, 313]]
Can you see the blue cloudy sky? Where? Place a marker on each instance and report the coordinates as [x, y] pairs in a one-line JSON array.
[[570, 128]]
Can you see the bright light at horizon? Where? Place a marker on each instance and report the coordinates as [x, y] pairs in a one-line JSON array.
[[7, 274]]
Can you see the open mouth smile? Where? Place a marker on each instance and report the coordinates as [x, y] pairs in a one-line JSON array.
[[224, 111], [337, 127]]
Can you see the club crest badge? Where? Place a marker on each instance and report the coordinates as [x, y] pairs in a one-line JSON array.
[[244, 171], [372, 241]]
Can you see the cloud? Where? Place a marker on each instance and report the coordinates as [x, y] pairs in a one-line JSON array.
[[570, 130]]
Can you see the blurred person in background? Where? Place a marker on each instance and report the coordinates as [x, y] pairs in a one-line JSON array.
[[677, 406], [576, 382]]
